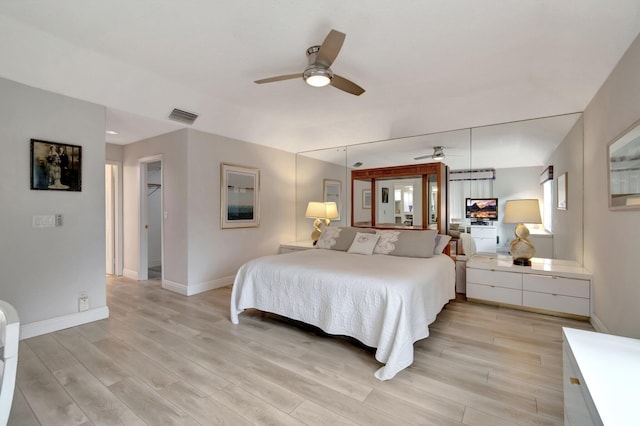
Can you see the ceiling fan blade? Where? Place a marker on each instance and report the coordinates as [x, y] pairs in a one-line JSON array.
[[330, 48], [346, 85], [279, 78], [422, 157]]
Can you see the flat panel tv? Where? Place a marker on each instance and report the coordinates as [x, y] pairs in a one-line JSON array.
[[482, 208]]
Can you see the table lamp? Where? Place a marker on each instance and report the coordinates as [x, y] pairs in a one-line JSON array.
[[521, 212], [321, 212]]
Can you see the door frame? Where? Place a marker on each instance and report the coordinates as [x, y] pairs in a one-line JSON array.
[[118, 255], [143, 245]]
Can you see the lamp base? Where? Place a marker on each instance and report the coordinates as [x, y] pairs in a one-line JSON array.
[[521, 262]]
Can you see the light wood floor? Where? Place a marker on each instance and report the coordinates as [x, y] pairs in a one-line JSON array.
[[162, 358]]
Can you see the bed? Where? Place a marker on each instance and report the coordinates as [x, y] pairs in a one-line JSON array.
[[384, 301]]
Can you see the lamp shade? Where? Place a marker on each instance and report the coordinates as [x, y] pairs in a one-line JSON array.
[[522, 211], [331, 210], [316, 209]]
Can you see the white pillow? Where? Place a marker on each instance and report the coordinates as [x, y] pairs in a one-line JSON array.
[[363, 243], [441, 243]]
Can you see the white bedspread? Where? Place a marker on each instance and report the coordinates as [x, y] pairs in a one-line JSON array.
[[386, 302]]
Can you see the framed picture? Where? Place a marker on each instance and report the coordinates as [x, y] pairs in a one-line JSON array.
[[562, 192], [55, 166], [332, 192], [366, 198], [239, 196], [624, 169], [384, 195]]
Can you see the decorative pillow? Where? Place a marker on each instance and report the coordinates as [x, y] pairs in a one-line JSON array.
[[441, 242], [363, 243], [339, 238], [406, 243]]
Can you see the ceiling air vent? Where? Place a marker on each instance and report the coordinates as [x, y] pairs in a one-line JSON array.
[[183, 116]]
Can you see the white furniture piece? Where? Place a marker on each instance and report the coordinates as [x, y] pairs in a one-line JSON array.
[[543, 242], [295, 246], [9, 337], [601, 373], [468, 249], [549, 285], [485, 237]]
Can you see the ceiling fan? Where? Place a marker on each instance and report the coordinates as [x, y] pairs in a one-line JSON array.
[[318, 73], [438, 154]]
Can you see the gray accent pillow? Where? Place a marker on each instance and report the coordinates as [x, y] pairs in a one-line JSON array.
[[340, 238], [406, 243]]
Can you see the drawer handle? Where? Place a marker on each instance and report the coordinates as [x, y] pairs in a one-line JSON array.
[[574, 381], [553, 294]]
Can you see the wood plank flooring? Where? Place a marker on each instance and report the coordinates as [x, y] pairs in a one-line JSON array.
[[162, 358]]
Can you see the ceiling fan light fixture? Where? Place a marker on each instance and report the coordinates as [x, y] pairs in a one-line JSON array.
[[317, 76], [438, 153]]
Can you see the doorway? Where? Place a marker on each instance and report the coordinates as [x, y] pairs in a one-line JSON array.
[[113, 218], [151, 219]]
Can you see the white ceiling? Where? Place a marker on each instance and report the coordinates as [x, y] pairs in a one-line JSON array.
[[427, 66]]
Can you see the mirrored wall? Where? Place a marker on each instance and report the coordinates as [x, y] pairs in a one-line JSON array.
[[503, 161]]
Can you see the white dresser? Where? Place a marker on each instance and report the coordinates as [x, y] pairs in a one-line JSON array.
[[548, 285], [295, 246], [485, 237], [601, 374]]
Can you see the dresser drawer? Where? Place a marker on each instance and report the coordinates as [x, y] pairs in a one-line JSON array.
[[483, 233], [557, 303], [494, 294], [494, 278], [556, 285]]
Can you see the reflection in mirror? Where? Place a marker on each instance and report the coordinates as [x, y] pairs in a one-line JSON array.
[[510, 160], [624, 170], [313, 170], [518, 155]]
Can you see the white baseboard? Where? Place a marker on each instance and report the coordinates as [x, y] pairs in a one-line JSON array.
[[197, 288], [210, 285], [175, 287], [129, 273], [60, 323], [598, 325]]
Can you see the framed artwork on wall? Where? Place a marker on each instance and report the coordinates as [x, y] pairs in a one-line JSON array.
[[332, 192], [239, 196], [55, 166], [366, 198], [384, 195], [623, 162], [562, 192]]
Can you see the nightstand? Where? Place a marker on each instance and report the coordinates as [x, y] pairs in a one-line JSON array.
[[296, 246]]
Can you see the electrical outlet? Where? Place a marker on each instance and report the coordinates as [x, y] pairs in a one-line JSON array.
[[83, 304]]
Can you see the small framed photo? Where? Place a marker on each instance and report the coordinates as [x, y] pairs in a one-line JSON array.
[[562, 192], [366, 198], [332, 192], [55, 166], [239, 196]]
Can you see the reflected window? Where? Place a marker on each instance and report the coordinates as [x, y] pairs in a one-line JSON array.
[[547, 205]]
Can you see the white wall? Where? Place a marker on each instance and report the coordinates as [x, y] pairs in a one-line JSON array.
[[215, 254], [612, 238], [511, 184], [567, 224], [173, 148], [43, 270], [199, 255], [309, 175]]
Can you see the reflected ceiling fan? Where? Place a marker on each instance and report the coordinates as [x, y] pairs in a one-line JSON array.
[[318, 73], [438, 154]]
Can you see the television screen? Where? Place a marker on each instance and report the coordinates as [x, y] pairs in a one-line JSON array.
[[482, 208]]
